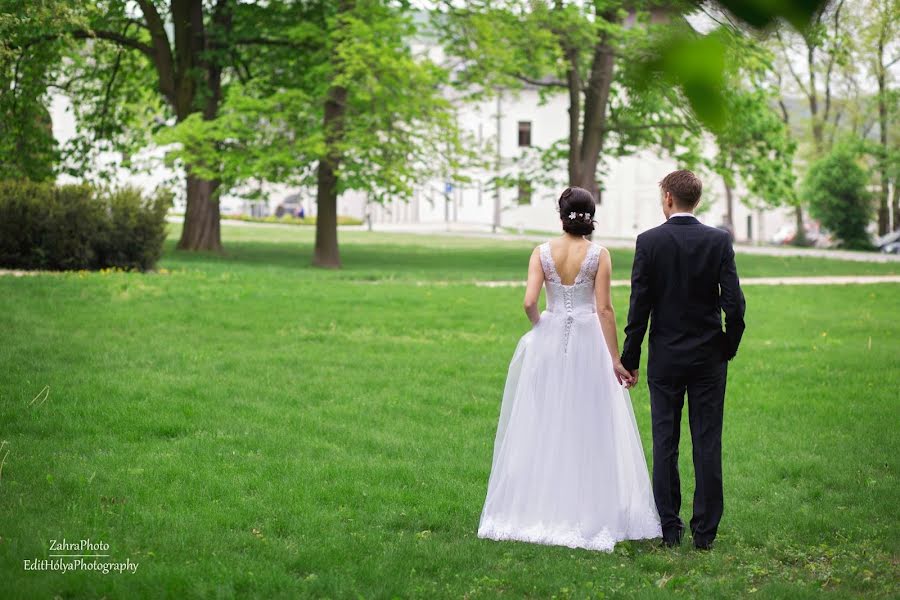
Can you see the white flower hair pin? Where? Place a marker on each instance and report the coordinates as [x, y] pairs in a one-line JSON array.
[[585, 215]]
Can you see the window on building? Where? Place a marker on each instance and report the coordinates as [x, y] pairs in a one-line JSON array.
[[524, 133], [525, 190], [749, 227]]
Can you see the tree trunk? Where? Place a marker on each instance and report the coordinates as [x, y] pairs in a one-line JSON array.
[[884, 216], [573, 79], [584, 156], [729, 205], [895, 206], [326, 251], [193, 71], [800, 236], [201, 229]]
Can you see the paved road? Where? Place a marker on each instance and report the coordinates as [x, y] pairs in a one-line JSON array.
[[826, 280], [484, 231], [473, 230]]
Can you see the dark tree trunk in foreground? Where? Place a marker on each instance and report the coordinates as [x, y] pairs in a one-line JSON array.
[[201, 229], [188, 69], [586, 141], [197, 76], [326, 250]]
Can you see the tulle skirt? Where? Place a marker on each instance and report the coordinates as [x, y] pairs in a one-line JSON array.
[[568, 467]]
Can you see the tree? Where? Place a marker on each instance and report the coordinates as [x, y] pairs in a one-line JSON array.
[[835, 188], [589, 51], [28, 67], [881, 52], [754, 145], [825, 45], [142, 64], [359, 111]]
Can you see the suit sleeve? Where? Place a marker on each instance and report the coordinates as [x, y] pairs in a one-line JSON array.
[[731, 301], [638, 309]]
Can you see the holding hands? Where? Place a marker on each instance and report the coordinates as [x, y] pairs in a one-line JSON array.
[[625, 377]]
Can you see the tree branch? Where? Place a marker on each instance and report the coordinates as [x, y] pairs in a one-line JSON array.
[[790, 66], [118, 38], [262, 41], [676, 125], [538, 82], [162, 51], [831, 60]]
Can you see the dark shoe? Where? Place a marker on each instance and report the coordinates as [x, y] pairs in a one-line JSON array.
[[703, 545], [672, 540], [672, 537]]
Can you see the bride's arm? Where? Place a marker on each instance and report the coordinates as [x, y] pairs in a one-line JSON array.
[[607, 315], [533, 287]]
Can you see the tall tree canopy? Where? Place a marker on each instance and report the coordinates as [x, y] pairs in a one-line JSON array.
[[359, 110], [318, 93], [591, 52]]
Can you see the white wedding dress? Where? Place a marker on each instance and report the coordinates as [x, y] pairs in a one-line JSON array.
[[568, 466]]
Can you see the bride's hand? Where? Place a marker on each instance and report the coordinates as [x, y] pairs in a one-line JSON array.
[[622, 373]]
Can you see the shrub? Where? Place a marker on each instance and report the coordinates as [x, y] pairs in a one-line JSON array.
[[835, 187], [136, 228], [44, 226]]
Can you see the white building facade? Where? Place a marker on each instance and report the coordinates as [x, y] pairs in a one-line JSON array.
[[630, 201]]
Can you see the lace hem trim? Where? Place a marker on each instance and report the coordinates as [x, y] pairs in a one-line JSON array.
[[604, 541]]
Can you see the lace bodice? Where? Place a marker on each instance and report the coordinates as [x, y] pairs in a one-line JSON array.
[[581, 290], [577, 298]]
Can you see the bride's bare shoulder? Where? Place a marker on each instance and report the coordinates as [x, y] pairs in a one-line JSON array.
[[602, 249]]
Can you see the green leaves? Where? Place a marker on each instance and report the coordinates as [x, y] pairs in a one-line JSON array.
[[696, 63], [398, 126], [835, 187]]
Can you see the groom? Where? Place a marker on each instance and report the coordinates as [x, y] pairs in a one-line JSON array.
[[684, 278]]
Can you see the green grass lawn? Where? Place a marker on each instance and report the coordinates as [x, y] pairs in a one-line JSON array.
[[247, 426]]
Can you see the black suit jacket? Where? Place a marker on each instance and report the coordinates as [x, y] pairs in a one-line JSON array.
[[683, 279]]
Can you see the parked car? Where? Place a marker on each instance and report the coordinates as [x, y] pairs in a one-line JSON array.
[[289, 206], [889, 243], [815, 235]]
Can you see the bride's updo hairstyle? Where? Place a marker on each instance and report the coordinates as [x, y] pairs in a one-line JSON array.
[[576, 209]]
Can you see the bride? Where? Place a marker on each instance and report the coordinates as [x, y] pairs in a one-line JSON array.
[[568, 466]]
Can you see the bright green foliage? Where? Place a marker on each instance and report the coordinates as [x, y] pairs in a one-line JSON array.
[[562, 48], [698, 64], [755, 146], [835, 187], [31, 47], [398, 128]]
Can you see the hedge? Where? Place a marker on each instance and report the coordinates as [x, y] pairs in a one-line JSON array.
[[66, 227]]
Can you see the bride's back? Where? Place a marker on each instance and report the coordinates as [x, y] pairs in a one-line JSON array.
[[568, 255]]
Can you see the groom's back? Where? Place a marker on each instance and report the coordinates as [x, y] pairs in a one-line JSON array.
[[684, 265]]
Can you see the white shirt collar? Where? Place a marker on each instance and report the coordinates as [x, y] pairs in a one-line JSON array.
[[682, 214]]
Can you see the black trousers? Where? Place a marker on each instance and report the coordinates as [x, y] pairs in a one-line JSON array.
[[705, 387]]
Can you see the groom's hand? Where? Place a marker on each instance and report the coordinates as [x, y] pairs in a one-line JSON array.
[[622, 374], [634, 377]]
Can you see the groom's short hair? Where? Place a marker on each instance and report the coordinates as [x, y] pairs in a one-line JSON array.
[[684, 186]]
